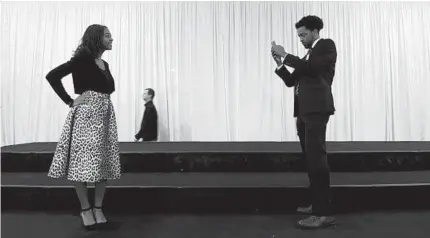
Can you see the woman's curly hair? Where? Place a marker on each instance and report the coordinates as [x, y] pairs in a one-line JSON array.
[[91, 42]]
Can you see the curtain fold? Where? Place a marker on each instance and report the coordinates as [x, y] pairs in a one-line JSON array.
[[210, 66]]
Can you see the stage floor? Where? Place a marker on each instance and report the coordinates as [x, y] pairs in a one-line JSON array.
[[412, 224], [229, 180], [236, 147], [184, 176]]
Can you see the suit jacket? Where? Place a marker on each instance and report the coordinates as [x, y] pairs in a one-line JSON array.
[[149, 126], [314, 76]]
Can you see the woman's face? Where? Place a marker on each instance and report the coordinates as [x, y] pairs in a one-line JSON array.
[[107, 40]]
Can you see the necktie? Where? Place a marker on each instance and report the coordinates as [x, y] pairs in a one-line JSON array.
[[308, 54]]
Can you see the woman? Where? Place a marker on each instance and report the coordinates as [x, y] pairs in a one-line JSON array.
[[88, 150]]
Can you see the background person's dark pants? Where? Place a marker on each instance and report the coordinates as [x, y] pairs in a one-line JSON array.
[[312, 134]]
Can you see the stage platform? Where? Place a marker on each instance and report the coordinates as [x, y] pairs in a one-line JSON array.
[[237, 177], [221, 192], [235, 156]]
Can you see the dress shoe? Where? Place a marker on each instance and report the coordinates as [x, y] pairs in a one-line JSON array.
[[315, 222]]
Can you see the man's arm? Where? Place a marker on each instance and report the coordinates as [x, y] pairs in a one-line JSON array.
[[149, 118], [152, 116], [154, 124], [139, 135], [288, 78], [320, 59]]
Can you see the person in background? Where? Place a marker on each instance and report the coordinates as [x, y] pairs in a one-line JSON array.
[[88, 150], [149, 126]]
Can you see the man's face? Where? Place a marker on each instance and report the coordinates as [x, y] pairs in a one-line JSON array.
[[146, 97], [306, 36]]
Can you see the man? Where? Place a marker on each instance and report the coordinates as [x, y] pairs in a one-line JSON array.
[[149, 127], [313, 104]]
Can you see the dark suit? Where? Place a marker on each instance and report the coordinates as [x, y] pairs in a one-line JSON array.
[[313, 106], [149, 126]]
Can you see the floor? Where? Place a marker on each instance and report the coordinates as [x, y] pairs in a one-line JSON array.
[[402, 224], [223, 180], [384, 224], [238, 147]]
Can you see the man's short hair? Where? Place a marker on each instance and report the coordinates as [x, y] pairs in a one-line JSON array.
[[151, 92], [311, 23]]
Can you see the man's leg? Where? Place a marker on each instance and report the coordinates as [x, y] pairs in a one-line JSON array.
[[318, 169], [302, 135], [301, 132]]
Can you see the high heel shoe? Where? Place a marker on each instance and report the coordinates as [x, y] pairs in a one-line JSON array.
[[100, 224], [88, 227]]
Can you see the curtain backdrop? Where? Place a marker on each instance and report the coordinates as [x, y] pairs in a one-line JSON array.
[[210, 66]]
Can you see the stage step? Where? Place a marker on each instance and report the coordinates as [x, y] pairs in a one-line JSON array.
[[222, 192], [235, 157]]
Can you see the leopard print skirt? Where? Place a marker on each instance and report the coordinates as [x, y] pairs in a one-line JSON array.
[[88, 149]]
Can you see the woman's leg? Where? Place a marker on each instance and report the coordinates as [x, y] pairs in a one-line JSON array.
[[98, 201], [86, 214]]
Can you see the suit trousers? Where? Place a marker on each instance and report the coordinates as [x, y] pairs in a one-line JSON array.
[[311, 130]]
